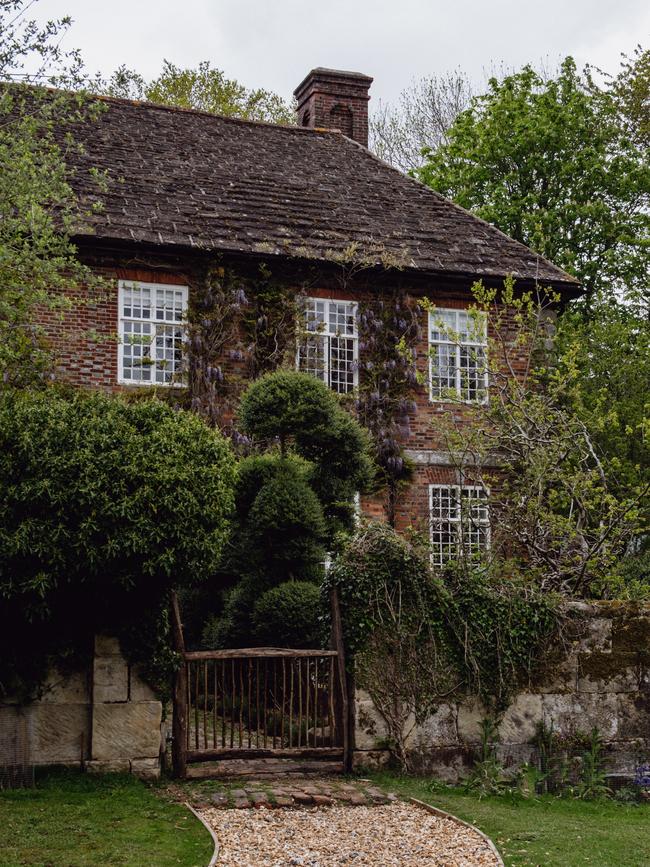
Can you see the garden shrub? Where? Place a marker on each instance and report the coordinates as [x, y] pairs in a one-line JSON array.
[[419, 639], [104, 506], [289, 615]]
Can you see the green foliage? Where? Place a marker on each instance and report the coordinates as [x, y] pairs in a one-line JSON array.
[[38, 209], [205, 88], [593, 782], [289, 615], [550, 161], [285, 404], [487, 774], [65, 818], [284, 528], [389, 330], [562, 514], [101, 500], [301, 413], [417, 639]]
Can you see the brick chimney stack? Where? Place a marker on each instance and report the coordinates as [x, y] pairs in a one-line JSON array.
[[334, 99]]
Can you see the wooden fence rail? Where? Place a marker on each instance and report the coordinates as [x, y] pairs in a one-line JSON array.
[[260, 702]]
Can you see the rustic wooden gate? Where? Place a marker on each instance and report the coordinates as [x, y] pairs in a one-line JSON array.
[[262, 702]]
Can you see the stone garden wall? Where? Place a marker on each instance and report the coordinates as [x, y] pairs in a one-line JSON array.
[[103, 719], [600, 678]]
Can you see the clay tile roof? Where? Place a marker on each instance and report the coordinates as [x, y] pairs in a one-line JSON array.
[[191, 179]]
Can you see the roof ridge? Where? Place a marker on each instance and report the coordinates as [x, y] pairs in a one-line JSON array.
[[181, 109]]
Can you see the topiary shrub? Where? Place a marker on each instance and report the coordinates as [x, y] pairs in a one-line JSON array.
[[289, 615], [104, 506], [306, 418]]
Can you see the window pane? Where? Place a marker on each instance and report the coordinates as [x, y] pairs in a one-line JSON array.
[[312, 356], [342, 364], [443, 369]]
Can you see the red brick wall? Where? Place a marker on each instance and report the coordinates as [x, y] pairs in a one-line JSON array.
[[93, 363]]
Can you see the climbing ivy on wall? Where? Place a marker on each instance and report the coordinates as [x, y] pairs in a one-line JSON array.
[[389, 331], [419, 640]]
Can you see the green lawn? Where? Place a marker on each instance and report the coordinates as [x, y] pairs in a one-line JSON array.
[[77, 820], [547, 831]]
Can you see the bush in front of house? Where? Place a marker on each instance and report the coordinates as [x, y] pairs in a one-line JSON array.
[[302, 415], [289, 615], [104, 506]]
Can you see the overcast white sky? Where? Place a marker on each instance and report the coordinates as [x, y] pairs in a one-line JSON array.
[[274, 43]]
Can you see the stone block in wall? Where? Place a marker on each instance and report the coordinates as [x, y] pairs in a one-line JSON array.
[[519, 722], [559, 674], [597, 635], [66, 689], [107, 645], [438, 730], [138, 689], [126, 730], [116, 766], [612, 672], [370, 727], [470, 714], [631, 634], [370, 759], [146, 769], [59, 732], [110, 679], [633, 710], [582, 711]]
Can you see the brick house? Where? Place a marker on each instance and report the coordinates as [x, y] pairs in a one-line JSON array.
[[186, 188]]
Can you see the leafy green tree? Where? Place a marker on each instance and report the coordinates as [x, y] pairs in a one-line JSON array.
[[104, 506], [550, 162], [38, 209], [289, 615], [303, 415], [205, 88]]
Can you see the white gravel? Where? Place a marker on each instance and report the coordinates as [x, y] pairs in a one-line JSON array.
[[395, 835]]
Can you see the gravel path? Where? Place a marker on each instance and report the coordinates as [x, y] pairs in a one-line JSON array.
[[395, 835]]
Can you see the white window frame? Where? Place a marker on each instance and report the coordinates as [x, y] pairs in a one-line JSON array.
[[454, 340], [462, 522], [328, 334], [123, 287]]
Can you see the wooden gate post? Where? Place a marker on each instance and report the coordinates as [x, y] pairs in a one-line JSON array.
[[179, 721], [339, 646]]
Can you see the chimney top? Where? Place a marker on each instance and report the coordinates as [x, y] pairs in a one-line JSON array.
[[335, 99]]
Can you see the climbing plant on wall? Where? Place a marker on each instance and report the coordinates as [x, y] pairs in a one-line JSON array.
[[389, 330]]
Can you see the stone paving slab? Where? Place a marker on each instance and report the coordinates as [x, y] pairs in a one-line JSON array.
[[290, 793]]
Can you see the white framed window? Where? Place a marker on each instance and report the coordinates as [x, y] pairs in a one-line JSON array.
[[457, 355], [152, 331], [459, 519], [328, 347]]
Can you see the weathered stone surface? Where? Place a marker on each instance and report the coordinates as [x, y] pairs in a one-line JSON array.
[[59, 732], [370, 726], [372, 759], [520, 721], [597, 636], [469, 721], [66, 689], [125, 730], [610, 673], [322, 800], [138, 689], [438, 730], [111, 679], [582, 711], [633, 712], [146, 769], [115, 766], [107, 645]]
